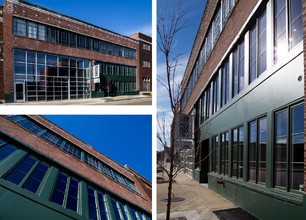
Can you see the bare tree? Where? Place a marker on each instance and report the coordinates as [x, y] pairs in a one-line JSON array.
[[108, 86], [169, 24]]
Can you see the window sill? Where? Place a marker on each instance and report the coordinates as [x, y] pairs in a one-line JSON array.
[[290, 197]]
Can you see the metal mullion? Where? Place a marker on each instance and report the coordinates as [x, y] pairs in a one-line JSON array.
[[256, 151], [98, 212], [66, 191]]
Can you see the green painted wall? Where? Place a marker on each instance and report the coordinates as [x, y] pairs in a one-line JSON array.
[[276, 88]]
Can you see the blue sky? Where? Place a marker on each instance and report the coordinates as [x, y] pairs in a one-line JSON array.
[[121, 16], [127, 139], [183, 45]]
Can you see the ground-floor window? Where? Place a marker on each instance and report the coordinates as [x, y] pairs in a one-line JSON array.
[[215, 159], [257, 150], [41, 76], [289, 148], [237, 152], [224, 148]]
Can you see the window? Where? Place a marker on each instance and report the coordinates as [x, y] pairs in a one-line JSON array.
[[215, 152], [289, 140], [287, 13], [258, 48], [19, 27], [237, 152], [207, 95], [32, 29], [146, 47], [42, 32], [33, 182], [146, 64], [257, 150], [225, 84], [66, 192], [21, 170], [224, 148], [6, 149], [238, 69], [215, 98]]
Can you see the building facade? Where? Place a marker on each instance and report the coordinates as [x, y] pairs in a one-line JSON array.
[[244, 83], [47, 173], [50, 56], [144, 62]]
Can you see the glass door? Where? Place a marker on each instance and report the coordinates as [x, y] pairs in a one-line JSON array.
[[19, 92]]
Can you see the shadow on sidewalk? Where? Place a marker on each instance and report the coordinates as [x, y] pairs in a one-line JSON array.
[[234, 214]]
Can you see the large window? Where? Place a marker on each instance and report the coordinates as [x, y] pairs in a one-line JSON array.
[[224, 148], [96, 204], [238, 69], [288, 27], [257, 150], [66, 192], [237, 152], [289, 148], [225, 84], [258, 47], [215, 97], [51, 77], [215, 154], [29, 173], [6, 149]]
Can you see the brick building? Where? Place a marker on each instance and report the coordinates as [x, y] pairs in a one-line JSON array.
[[47, 173], [50, 56], [245, 85], [144, 58]]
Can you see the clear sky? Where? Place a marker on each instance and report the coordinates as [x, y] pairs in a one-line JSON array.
[[127, 139], [120, 16], [183, 45]]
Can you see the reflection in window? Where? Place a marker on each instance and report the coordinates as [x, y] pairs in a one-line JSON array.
[[225, 84], [237, 152], [215, 152], [289, 138], [224, 148], [36, 177], [257, 150], [6, 149], [21, 170], [281, 22], [238, 69]]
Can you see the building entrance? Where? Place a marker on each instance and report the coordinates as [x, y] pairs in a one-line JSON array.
[[204, 161], [19, 92]]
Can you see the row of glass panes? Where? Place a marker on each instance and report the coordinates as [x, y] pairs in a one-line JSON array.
[[72, 150], [288, 150], [116, 69], [30, 172], [26, 28], [213, 32], [287, 25], [103, 168]]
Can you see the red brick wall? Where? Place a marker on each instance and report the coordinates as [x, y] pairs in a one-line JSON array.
[[238, 17], [143, 55], [61, 22], [72, 163], [304, 44]]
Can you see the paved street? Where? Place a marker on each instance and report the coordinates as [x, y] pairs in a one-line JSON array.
[[198, 204], [118, 100]]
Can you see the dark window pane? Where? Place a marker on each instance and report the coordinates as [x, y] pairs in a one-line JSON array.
[[102, 206], [59, 189], [72, 200], [36, 177], [21, 170], [281, 124], [6, 150], [125, 217], [115, 208], [19, 55]]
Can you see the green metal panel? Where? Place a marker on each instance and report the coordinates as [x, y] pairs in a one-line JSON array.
[[276, 88]]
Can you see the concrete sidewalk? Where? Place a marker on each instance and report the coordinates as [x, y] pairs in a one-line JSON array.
[[125, 99], [198, 204]]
